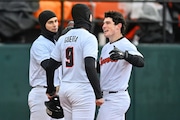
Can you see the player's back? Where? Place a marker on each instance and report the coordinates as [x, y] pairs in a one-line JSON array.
[[74, 46]]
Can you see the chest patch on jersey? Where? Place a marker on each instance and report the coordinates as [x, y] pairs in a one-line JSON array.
[[106, 60]]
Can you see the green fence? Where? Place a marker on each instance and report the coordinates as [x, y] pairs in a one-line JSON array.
[[14, 86], [154, 89]]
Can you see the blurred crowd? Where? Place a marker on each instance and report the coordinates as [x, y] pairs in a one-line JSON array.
[[147, 22]]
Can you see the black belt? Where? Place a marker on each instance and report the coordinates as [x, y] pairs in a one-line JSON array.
[[114, 91], [39, 86]]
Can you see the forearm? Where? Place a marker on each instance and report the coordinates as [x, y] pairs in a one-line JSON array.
[[52, 65], [50, 81], [98, 67], [92, 76], [135, 60]]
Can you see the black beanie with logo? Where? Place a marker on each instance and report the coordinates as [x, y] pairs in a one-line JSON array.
[[81, 16], [43, 18]]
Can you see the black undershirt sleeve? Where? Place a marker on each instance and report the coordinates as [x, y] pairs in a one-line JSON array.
[[135, 60], [45, 64], [93, 76], [98, 67], [50, 66]]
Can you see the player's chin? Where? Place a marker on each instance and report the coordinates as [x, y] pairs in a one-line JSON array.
[[54, 30], [106, 34]]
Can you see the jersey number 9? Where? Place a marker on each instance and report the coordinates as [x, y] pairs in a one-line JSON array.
[[69, 57]]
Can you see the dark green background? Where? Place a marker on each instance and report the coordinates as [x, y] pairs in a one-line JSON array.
[[154, 89]]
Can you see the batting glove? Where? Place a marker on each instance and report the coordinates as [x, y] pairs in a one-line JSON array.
[[117, 54]]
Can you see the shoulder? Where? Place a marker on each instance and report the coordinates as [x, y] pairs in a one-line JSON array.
[[41, 42], [86, 32], [85, 35], [131, 48], [106, 46], [127, 43], [90, 35]]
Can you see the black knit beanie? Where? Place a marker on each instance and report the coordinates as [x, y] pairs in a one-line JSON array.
[[81, 15], [43, 18]]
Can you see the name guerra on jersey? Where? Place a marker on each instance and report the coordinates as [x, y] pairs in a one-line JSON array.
[[71, 39]]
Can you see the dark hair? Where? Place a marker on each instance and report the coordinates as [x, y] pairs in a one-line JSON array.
[[117, 17]]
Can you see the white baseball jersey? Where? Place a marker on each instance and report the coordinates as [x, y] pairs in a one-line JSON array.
[[76, 94], [41, 50], [115, 75], [71, 51]]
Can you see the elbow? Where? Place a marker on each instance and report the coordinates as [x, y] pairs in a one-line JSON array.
[[135, 60], [140, 62]]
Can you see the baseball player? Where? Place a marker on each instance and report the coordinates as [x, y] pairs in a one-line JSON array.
[[77, 50], [39, 56], [116, 61]]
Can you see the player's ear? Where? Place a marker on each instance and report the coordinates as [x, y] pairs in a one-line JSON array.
[[119, 25]]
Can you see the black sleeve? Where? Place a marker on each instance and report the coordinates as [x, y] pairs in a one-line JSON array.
[[45, 64], [135, 60], [93, 76], [98, 67], [51, 66]]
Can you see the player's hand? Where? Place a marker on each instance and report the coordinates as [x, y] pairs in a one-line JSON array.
[[50, 96], [99, 102], [51, 92], [117, 54]]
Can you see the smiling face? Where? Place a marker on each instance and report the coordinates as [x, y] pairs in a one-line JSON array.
[[52, 24], [111, 30]]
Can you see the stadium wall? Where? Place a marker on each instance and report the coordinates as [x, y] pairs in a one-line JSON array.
[[154, 89]]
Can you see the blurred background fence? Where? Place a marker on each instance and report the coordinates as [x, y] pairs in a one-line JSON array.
[[148, 21], [154, 89]]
